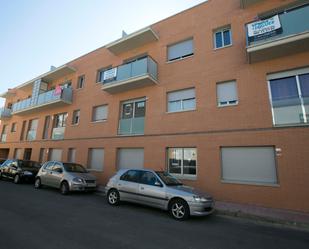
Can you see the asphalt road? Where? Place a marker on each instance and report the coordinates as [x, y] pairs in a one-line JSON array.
[[44, 219]]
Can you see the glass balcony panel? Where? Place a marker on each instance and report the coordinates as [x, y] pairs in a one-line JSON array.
[[31, 135], [132, 126], [288, 112]]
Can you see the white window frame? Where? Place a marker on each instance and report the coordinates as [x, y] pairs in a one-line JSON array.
[[182, 175], [183, 56], [290, 73], [99, 120], [221, 30], [229, 103], [181, 101]]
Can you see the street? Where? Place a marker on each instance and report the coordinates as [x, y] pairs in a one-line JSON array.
[[44, 219]]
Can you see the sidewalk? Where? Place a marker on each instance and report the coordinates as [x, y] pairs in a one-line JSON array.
[[257, 213], [271, 215]]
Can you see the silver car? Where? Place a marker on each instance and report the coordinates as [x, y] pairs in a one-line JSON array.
[[65, 176], [158, 189]]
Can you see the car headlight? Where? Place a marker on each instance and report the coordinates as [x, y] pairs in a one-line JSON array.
[[78, 180], [27, 173], [199, 199]]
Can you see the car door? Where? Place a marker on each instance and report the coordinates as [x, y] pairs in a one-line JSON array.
[[56, 175], [151, 190], [46, 173], [128, 185]]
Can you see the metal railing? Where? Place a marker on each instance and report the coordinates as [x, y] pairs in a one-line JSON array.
[[43, 99], [144, 66], [295, 21]]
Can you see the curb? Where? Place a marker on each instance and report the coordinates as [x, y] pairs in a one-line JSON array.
[[265, 220]]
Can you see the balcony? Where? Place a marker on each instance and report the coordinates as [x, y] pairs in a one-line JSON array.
[[45, 100], [133, 41], [5, 113], [245, 3], [140, 73], [131, 126], [280, 35]]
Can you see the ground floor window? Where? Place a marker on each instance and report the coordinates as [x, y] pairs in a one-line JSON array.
[[182, 161], [255, 165], [96, 159]]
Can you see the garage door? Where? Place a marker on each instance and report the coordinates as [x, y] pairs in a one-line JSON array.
[[55, 155], [130, 158], [249, 164]]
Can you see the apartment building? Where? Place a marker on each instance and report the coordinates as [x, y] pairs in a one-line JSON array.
[[217, 95]]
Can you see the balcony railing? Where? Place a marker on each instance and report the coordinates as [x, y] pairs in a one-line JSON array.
[[44, 99], [31, 135], [131, 126], [280, 35], [5, 113], [140, 73]]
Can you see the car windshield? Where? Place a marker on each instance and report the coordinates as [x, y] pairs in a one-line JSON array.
[[168, 179], [28, 164], [74, 167]]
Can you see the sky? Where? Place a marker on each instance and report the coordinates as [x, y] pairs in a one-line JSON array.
[[35, 34]]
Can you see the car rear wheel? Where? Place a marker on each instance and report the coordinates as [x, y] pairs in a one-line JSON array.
[[179, 209], [16, 179], [113, 197], [37, 183], [64, 188]]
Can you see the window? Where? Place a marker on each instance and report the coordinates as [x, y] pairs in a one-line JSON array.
[[223, 37], [49, 166], [80, 82], [180, 50], [46, 127], [41, 155], [227, 93], [33, 125], [23, 128], [71, 155], [75, 118], [249, 165], [59, 126], [99, 113], [55, 155], [182, 161], [96, 159], [4, 133], [132, 117], [131, 176], [13, 128], [18, 153], [182, 100], [100, 73], [131, 158], [290, 99], [148, 178]]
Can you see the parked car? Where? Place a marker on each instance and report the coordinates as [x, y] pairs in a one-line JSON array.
[[2, 161], [19, 170], [158, 189], [65, 176]]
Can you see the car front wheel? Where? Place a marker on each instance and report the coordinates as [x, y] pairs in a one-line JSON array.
[[64, 188], [16, 179], [113, 197], [179, 209], [37, 183]]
